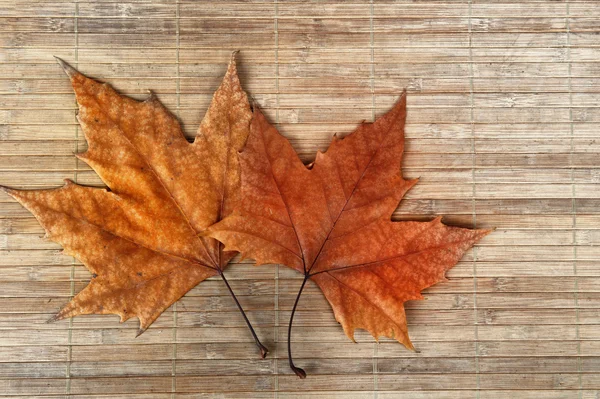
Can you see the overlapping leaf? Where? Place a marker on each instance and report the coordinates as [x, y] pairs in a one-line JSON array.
[[331, 222], [141, 237]]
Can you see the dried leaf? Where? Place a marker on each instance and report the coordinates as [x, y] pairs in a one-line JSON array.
[[331, 222], [141, 237]]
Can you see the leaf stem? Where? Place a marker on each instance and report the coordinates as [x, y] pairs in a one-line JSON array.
[[299, 372], [263, 349]]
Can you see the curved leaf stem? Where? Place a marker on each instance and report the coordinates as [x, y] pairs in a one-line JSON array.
[[299, 372], [263, 349]]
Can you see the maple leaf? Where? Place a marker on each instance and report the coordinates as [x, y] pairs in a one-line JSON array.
[[331, 222], [141, 237]]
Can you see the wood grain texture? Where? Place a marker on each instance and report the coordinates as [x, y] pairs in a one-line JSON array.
[[502, 130]]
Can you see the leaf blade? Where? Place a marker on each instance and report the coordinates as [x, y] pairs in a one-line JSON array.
[[141, 240], [340, 209]]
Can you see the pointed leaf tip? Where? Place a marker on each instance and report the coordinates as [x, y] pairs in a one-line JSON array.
[[69, 70], [54, 318], [151, 96], [12, 192], [232, 67]]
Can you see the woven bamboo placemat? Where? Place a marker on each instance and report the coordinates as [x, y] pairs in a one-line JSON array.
[[502, 129]]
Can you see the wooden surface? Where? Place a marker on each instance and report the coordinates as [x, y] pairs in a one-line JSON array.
[[502, 129]]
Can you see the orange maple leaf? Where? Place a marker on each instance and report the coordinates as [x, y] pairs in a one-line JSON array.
[[331, 222], [141, 237]]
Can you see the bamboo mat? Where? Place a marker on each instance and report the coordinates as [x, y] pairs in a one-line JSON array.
[[502, 129]]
